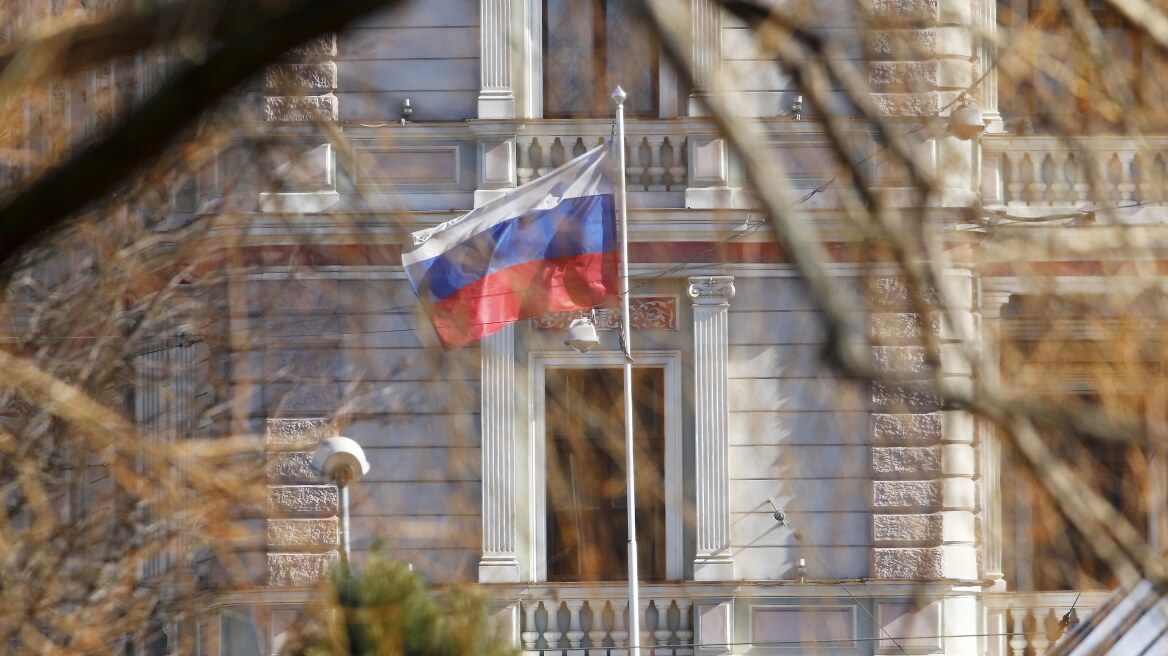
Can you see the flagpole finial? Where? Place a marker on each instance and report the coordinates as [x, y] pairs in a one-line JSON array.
[[619, 95]]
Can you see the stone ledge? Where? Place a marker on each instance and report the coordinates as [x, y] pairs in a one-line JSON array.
[[908, 11], [304, 532], [907, 495], [303, 499], [915, 462], [295, 569], [907, 428]]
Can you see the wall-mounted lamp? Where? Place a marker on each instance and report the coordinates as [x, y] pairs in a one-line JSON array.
[[582, 333], [965, 121], [406, 111]]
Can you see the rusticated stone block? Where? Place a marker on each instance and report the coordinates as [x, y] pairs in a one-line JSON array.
[[907, 10], [908, 428], [915, 495], [292, 431], [886, 327], [902, 529], [291, 467], [906, 461], [295, 569], [908, 563], [903, 76], [306, 398], [304, 532], [903, 44], [322, 46], [926, 103], [902, 359], [303, 499], [896, 293], [301, 108], [294, 79], [911, 395]]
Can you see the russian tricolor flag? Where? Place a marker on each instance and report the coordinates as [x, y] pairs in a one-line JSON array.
[[547, 246]]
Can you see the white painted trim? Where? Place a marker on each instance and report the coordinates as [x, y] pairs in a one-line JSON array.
[[538, 363]]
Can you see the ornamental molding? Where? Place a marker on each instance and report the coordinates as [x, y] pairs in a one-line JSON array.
[[711, 290], [647, 312]]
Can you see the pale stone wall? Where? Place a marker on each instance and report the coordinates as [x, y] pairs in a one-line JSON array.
[[797, 434], [425, 51]]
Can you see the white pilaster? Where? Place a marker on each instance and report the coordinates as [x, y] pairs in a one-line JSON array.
[[711, 305], [496, 98], [499, 563]]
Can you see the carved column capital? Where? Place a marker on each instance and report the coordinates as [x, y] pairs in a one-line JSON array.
[[711, 290]]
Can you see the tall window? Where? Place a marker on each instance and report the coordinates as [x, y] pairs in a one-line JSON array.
[[587, 530], [1051, 81], [589, 47]]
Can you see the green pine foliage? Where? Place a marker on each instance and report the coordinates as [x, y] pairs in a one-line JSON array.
[[387, 610]]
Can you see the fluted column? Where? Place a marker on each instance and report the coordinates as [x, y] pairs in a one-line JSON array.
[[707, 43], [496, 99], [499, 563], [711, 296]]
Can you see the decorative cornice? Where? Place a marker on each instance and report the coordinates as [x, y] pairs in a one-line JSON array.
[[711, 290]]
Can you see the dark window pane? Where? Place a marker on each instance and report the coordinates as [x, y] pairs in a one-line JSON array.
[[590, 46], [586, 503]]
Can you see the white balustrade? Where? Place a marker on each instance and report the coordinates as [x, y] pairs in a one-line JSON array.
[[593, 621], [1041, 171], [654, 151], [1025, 624]]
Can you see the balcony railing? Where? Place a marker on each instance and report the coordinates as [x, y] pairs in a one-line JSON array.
[[1042, 171], [590, 619], [656, 157], [1025, 623]]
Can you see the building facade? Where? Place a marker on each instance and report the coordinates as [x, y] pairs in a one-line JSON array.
[[491, 463]]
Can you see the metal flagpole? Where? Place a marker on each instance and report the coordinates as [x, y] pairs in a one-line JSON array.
[[619, 96]]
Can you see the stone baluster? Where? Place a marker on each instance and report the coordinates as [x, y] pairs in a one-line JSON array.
[[1082, 180], [1037, 186], [575, 633], [646, 626], [619, 632], [1016, 185], [662, 633], [557, 153], [1017, 638], [684, 631], [541, 157], [530, 635], [524, 170], [677, 167], [597, 633], [1059, 187], [634, 168], [554, 631], [656, 168], [1126, 186]]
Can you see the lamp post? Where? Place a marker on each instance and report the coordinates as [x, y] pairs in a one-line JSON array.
[[343, 461]]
